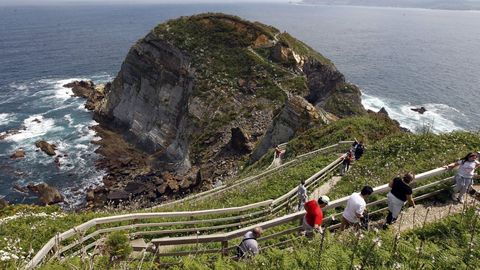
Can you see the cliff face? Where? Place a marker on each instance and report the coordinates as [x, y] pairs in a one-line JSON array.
[[148, 100], [191, 83]]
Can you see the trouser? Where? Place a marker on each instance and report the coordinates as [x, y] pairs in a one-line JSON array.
[[462, 185], [394, 205], [346, 223], [344, 168], [301, 202]]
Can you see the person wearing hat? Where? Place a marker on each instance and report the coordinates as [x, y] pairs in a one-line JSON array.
[[313, 219]]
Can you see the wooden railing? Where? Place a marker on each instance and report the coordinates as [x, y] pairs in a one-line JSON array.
[[228, 218], [224, 239]]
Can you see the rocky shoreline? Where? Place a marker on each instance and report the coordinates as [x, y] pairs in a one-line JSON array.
[[129, 178]]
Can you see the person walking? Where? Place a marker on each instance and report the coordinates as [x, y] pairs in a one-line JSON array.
[[355, 208], [464, 176], [359, 150], [249, 245], [302, 195], [347, 159], [313, 219], [400, 193]]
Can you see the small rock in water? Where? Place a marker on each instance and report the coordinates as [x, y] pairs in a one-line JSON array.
[[20, 153], [420, 110], [46, 147]]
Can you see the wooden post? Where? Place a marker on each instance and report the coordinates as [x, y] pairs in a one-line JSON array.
[[225, 248]]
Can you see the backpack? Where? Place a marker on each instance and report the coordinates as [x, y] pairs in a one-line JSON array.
[[240, 252]]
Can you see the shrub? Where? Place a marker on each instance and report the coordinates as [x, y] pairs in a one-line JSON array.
[[118, 246]]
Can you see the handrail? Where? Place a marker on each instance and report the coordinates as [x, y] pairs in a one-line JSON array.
[[310, 179], [287, 218], [97, 221]]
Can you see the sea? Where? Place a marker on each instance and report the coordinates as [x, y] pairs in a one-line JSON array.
[[400, 58]]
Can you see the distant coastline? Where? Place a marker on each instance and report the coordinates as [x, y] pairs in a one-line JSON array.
[[437, 5]]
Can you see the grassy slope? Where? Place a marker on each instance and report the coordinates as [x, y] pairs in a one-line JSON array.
[[398, 152], [35, 225], [404, 152]]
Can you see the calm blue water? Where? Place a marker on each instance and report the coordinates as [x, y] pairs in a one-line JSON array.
[[399, 57]]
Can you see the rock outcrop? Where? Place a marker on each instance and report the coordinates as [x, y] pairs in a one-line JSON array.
[[46, 194], [184, 90], [46, 147], [87, 89], [19, 153]]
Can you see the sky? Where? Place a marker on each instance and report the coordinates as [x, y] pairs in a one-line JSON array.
[[68, 2]]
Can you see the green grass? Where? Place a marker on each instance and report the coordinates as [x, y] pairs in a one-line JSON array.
[[448, 244], [370, 128], [270, 187], [402, 153]]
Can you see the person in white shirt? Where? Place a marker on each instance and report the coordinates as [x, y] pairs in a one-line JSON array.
[[355, 207], [464, 177]]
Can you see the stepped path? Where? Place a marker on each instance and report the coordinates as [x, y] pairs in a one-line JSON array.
[[428, 212], [325, 188]]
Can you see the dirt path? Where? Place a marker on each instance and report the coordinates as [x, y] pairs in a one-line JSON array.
[[325, 188]]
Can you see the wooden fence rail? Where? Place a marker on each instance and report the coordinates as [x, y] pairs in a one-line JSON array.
[[54, 244], [224, 238]]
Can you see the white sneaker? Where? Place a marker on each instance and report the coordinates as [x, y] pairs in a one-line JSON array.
[[454, 196], [460, 199]]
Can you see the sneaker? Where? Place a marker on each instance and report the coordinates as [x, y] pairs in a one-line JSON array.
[[454, 197], [460, 199]]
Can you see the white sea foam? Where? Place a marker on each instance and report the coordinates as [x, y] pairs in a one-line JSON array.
[[438, 117], [34, 128], [69, 119], [19, 86], [6, 118]]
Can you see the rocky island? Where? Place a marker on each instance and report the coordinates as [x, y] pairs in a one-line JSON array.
[[198, 95]]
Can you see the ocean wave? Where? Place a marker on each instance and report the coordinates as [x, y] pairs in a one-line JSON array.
[[438, 117], [69, 119], [6, 118], [19, 86], [35, 126]]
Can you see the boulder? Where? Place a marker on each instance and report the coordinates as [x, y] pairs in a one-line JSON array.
[[90, 195], [20, 153], [383, 111], [46, 147], [46, 194], [118, 195], [135, 188]]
